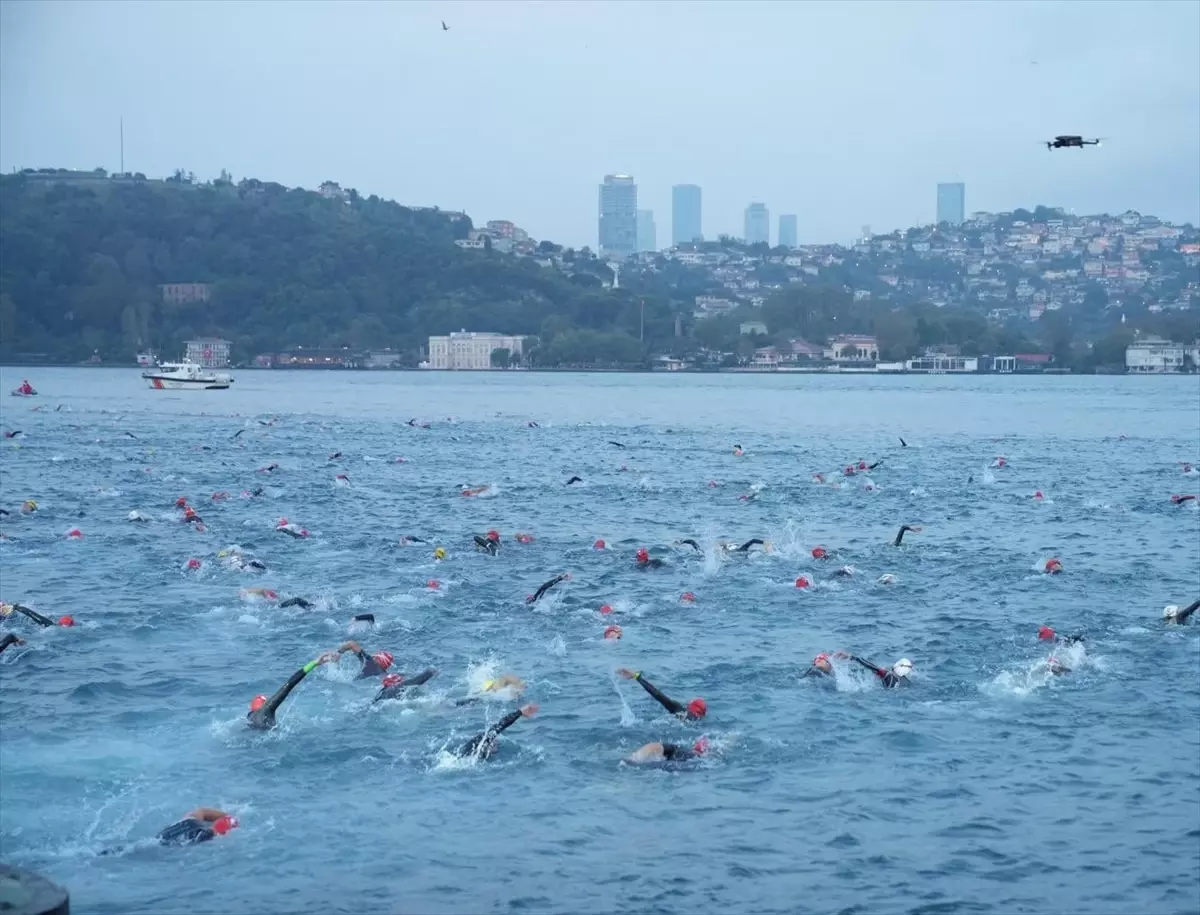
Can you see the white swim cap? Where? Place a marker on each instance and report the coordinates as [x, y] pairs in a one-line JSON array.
[[887, 578], [1170, 611], [902, 668], [133, 516]]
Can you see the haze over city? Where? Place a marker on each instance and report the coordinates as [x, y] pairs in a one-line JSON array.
[[843, 114]]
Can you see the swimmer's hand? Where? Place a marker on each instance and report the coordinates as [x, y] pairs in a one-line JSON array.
[[528, 711], [626, 673]]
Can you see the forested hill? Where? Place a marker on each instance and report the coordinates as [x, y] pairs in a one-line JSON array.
[[81, 263]]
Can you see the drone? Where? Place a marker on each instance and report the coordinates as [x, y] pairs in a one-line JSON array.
[[1064, 142]]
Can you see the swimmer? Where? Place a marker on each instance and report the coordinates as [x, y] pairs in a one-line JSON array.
[[200, 825], [261, 716], [10, 639], [270, 468], [137, 517], [819, 552], [541, 591], [523, 538], [1046, 634], [28, 507], [475, 490], [264, 593], [439, 554], [745, 547], [613, 632], [574, 480], [296, 602], [394, 685], [903, 443], [893, 678], [13, 434], [368, 618], [821, 667], [737, 451], [335, 455], [372, 664], [1053, 566], [292, 530], [489, 544], [190, 516], [617, 444], [643, 561], [407, 539], [7, 610], [667, 752], [1173, 616], [688, 541], [1182, 500], [1057, 667], [845, 572], [693, 711], [905, 529], [483, 745], [236, 434]]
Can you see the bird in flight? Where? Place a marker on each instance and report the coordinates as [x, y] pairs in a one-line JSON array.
[[445, 28]]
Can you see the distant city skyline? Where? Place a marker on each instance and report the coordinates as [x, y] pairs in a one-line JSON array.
[[757, 224], [1010, 76], [787, 231], [951, 203], [686, 222]]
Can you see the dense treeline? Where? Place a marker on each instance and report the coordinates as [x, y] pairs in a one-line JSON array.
[[82, 259]]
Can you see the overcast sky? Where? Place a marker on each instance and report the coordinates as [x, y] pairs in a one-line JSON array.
[[844, 113]]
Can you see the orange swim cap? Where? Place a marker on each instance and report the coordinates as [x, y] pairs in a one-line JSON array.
[[819, 552], [257, 702], [687, 597]]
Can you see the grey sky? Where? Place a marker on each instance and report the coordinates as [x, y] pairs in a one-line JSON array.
[[844, 113]]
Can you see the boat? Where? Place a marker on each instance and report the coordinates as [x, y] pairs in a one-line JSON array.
[[24, 390], [184, 376]]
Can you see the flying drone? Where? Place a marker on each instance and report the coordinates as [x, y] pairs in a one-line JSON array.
[[1065, 141]]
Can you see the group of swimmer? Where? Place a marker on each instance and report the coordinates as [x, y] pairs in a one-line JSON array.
[[204, 823]]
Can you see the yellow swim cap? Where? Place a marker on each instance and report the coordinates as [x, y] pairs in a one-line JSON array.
[[488, 685], [29, 503], [439, 553]]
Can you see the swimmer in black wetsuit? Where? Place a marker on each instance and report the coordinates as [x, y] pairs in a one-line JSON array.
[[368, 618], [574, 480], [904, 529], [693, 711], [489, 544], [1046, 634], [821, 667], [394, 685], [483, 745], [1173, 616], [643, 561], [261, 716], [688, 541], [10, 639], [541, 591], [7, 610], [745, 547], [374, 665], [200, 825], [893, 678], [667, 752], [297, 602], [411, 539]]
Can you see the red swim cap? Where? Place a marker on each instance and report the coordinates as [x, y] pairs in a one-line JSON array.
[[393, 680], [257, 702], [433, 583], [822, 658], [713, 484], [697, 708], [282, 522], [700, 747], [605, 608], [493, 535], [1054, 565], [180, 502], [819, 552], [224, 824], [687, 597], [75, 533], [612, 632], [802, 582], [193, 563], [1045, 634], [524, 538], [269, 594], [849, 471], [643, 554], [384, 659], [1039, 495], [66, 621], [862, 465], [599, 545]]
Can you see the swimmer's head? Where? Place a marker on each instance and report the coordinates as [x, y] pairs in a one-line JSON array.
[[599, 545], [66, 620], [257, 702], [643, 555], [803, 582], [697, 708], [224, 824], [439, 553], [700, 747], [1039, 495], [612, 632], [392, 680], [819, 552], [193, 564], [1170, 612], [433, 584], [887, 578], [822, 663], [384, 659], [493, 536], [902, 668], [687, 597], [29, 505], [1054, 566], [180, 502], [1046, 634], [605, 609]]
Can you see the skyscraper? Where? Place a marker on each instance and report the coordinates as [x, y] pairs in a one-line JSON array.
[[646, 231], [952, 203], [618, 216], [787, 231], [758, 224], [685, 213]]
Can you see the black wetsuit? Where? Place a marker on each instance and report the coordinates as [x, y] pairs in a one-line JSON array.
[[33, 615], [370, 668], [290, 532], [675, 708], [904, 529], [890, 680], [4, 513], [814, 671], [1182, 616], [484, 744], [264, 718], [692, 543], [873, 466], [749, 543], [413, 540], [297, 602], [540, 593], [618, 444], [187, 832], [257, 492], [9, 639], [651, 564], [574, 480], [396, 690], [192, 519], [675, 752], [486, 544], [365, 618]]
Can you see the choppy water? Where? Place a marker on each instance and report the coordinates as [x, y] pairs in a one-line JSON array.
[[988, 787]]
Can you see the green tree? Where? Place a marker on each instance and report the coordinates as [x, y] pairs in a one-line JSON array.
[[501, 358]]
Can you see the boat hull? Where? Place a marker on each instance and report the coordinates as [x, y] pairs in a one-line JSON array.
[[160, 383]]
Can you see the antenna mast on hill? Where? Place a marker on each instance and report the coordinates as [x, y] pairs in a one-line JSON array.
[[122, 145]]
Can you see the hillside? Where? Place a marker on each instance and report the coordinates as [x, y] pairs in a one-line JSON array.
[[82, 262]]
